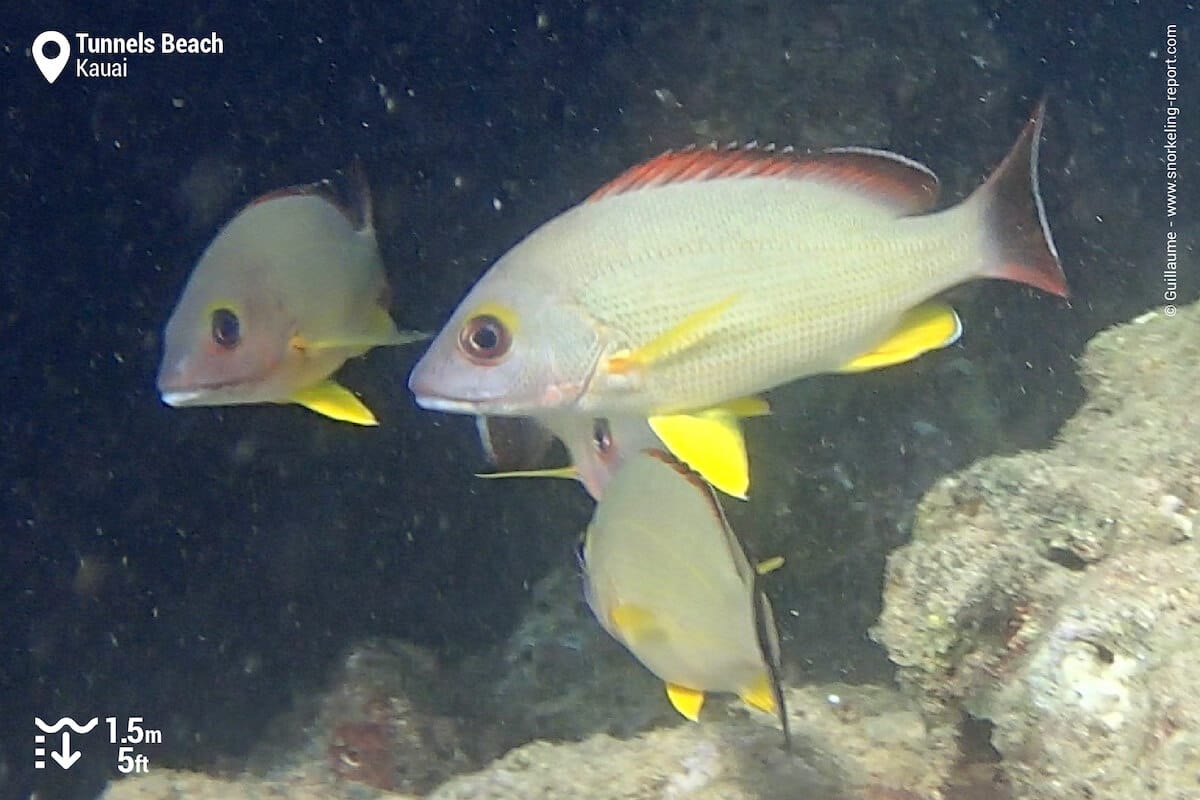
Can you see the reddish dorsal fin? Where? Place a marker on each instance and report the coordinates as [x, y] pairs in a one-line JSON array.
[[349, 192], [904, 184]]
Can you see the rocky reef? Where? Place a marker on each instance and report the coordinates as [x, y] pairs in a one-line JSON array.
[[1053, 594]]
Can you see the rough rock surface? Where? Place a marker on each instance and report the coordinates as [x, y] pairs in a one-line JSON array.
[[850, 744], [579, 718], [1054, 593]]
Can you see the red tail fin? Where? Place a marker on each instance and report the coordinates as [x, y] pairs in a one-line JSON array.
[[1015, 220]]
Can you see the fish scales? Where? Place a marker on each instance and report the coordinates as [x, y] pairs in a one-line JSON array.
[[815, 276]]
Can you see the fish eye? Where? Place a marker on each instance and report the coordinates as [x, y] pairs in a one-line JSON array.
[[601, 435], [484, 338], [226, 328]]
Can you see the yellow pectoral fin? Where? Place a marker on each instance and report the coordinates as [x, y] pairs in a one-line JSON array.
[[362, 342], [334, 401], [927, 327], [759, 695], [710, 443], [687, 702], [405, 337], [383, 330], [768, 565], [687, 333], [553, 472], [634, 623]]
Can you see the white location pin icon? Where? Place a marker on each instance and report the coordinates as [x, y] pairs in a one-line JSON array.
[[51, 67]]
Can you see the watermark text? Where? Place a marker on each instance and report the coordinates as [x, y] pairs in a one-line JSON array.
[[1171, 140]]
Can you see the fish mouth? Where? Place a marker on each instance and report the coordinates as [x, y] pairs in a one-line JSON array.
[[431, 393], [446, 405], [554, 398], [175, 399], [187, 393]]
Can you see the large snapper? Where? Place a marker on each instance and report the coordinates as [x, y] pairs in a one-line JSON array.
[[705, 276]]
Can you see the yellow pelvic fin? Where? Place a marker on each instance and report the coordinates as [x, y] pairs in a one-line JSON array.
[[334, 401], [552, 472], [927, 327], [711, 443], [687, 333], [759, 695], [687, 702], [634, 623], [768, 565]]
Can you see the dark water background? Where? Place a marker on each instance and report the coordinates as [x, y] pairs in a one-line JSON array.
[[229, 556]]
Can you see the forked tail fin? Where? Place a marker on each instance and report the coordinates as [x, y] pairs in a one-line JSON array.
[[1018, 237]]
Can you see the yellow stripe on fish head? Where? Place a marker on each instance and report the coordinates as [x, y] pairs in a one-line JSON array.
[[486, 337]]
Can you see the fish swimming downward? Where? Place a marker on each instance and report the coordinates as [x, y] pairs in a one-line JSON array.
[[666, 576], [290, 289], [707, 276], [597, 446]]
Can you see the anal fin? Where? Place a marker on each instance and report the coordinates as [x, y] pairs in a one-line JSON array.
[[929, 326], [335, 401], [687, 702], [760, 694]]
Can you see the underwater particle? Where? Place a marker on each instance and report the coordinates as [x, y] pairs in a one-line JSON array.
[[667, 98], [91, 574], [923, 428], [207, 189], [389, 102], [244, 450]]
